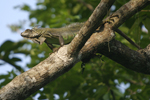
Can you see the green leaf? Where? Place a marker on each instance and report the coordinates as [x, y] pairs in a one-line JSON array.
[[6, 46], [42, 97], [25, 7], [14, 59], [106, 96]]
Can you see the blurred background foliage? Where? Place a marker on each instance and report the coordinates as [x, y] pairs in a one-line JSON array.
[[102, 79]]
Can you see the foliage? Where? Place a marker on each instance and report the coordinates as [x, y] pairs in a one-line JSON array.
[[7, 51], [102, 78]]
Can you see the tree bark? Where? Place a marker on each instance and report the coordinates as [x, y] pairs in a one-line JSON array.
[[63, 60], [136, 60]]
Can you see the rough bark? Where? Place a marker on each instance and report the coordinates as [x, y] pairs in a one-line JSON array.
[[90, 26], [60, 62], [118, 52]]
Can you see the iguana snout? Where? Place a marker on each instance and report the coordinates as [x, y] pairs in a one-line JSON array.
[[30, 33]]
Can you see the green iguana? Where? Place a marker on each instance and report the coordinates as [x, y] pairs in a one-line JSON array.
[[59, 36], [50, 36]]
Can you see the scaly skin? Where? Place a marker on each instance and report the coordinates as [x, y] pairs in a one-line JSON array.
[[50, 36]]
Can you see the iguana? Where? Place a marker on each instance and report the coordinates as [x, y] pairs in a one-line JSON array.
[[59, 36], [50, 36]]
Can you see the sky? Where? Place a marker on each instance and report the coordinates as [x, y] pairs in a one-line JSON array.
[[9, 16]]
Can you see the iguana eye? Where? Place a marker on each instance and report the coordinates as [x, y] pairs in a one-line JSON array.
[[27, 30]]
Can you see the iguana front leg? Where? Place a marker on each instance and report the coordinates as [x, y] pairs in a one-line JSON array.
[[49, 44], [54, 49]]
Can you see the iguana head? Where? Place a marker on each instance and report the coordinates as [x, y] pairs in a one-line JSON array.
[[34, 35], [30, 33]]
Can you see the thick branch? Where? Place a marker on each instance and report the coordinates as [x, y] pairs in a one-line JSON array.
[[90, 26], [126, 11], [127, 58], [135, 60], [32, 80]]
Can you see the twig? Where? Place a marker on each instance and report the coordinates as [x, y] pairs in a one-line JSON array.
[[127, 38]]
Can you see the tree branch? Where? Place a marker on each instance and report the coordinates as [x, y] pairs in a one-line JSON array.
[[127, 38], [98, 42], [126, 11], [123, 55], [89, 27]]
